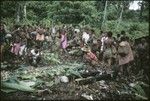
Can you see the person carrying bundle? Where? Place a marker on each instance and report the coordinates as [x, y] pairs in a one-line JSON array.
[[125, 55]]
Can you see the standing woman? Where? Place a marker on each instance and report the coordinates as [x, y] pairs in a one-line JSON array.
[[63, 42]]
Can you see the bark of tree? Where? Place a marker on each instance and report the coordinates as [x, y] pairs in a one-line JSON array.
[[92, 79], [120, 18], [94, 73], [141, 11], [104, 17], [18, 14], [25, 11]]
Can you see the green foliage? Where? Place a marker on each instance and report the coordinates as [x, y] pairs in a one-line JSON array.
[[27, 22], [133, 29], [80, 13], [113, 12], [136, 30], [9, 21], [51, 58], [16, 85], [65, 69], [7, 9], [45, 22], [139, 91]]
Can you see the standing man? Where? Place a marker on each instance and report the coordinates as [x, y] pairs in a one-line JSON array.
[[85, 37]]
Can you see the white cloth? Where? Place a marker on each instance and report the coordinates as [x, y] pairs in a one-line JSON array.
[[102, 40], [8, 36], [34, 54], [48, 38], [53, 30], [22, 48], [85, 37]]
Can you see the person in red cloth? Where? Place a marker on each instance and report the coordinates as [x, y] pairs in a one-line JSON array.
[[89, 56]]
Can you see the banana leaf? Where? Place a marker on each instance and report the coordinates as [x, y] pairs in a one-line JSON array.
[[73, 72], [55, 60], [3, 66], [49, 84], [144, 84], [51, 57], [29, 83], [138, 90], [6, 90], [140, 97], [22, 86], [26, 76]]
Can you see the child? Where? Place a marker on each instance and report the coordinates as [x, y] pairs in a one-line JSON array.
[[89, 56], [34, 56]]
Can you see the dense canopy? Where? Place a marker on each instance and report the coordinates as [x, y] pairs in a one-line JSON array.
[[108, 15]]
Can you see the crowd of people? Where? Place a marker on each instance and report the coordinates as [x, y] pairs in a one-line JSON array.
[[28, 42]]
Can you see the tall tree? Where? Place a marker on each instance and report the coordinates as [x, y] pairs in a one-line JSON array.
[[143, 8], [25, 10], [18, 12], [104, 16], [120, 17]]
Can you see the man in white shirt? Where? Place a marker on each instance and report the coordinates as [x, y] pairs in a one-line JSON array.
[[85, 37], [53, 30], [104, 37]]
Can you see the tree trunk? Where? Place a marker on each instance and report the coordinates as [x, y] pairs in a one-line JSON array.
[[103, 2], [94, 73], [141, 11], [18, 14], [120, 18], [24, 11], [104, 17], [93, 79]]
